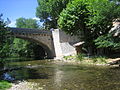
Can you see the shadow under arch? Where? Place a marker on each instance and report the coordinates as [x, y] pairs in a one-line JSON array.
[[50, 54]]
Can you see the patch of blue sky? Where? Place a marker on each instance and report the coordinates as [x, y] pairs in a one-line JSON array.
[[14, 9]]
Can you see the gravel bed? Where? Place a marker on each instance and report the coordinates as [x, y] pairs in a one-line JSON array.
[[24, 85]]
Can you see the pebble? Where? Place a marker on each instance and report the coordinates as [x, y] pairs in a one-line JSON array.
[[24, 85]]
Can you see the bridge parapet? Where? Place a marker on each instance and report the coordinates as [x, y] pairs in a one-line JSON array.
[[29, 31]]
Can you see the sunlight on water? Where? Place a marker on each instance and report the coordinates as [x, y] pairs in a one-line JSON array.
[[47, 75]]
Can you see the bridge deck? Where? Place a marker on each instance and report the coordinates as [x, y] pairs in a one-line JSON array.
[[28, 31]]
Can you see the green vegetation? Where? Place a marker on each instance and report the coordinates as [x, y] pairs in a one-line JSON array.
[[4, 85], [26, 23], [99, 59], [80, 57], [89, 19], [108, 41], [5, 39], [24, 48], [49, 10], [92, 20], [69, 57]]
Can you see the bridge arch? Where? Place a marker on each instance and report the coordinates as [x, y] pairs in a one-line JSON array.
[[47, 46], [41, 37]]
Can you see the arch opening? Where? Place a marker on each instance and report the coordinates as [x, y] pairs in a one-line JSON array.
[[41, 51]]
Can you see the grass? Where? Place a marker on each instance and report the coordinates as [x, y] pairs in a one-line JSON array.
[[87, 60], [69, 57], [4, 85], [80, 57], [99, 59]]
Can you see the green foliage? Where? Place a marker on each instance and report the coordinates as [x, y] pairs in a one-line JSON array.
[[99, 59], [91, 19], [5, 39], [102, 14], [69, 57], [4, 85], [72, 19], [22, 47], [108, 41], [80, 57], [49, 10], [26, 23]]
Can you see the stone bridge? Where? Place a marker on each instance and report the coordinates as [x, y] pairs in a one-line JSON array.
[[56, 43]]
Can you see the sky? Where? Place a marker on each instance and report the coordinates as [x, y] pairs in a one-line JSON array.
[[14, 9]]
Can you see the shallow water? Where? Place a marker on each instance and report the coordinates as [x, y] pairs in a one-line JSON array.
[[63, 76]]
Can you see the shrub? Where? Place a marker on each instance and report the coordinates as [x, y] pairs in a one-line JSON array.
[[80, 57], [101, 59]]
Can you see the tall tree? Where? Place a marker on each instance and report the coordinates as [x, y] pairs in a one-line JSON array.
[[49, 10], [5, 39], [102, 22], [26, 23], [23, 47], [91, 17]]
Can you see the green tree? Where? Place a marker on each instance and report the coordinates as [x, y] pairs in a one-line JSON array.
[[49, 10], [22, 47], [91, 18], [101, 23], [5, 39], [73, 20], [26, 23], [108, 41]]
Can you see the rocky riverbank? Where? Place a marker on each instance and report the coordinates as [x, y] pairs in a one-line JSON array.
[[25, 85], [89, 61]]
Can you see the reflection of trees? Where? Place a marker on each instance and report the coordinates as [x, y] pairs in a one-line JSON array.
[[1, 68], [29, 73]]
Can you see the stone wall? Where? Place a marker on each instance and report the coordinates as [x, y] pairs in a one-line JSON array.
[[63, 43]]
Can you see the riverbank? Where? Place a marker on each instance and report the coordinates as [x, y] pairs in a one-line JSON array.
[[25, 85], [88, 61]]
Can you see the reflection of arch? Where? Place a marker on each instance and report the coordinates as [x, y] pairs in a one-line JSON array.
[[47, 49]]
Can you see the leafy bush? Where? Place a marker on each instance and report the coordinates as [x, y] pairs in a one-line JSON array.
[[80, 57], [99, 59]]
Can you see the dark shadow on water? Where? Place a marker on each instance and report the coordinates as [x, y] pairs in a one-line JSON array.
[[22, 59], [115, 68], [34, 74], [23, 73], [28, 73]]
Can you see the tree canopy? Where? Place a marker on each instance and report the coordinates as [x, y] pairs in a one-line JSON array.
[[5, 39], [22, 47], [26, 23], [49, 10], [91, 17]]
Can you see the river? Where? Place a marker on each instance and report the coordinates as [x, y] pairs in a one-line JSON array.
[[51, 75]]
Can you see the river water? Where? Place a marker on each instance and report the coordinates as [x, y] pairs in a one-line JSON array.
[[51, 75]]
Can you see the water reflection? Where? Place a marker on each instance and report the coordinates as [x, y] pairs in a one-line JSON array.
[[7, 77], [62, 76], [58, 77]]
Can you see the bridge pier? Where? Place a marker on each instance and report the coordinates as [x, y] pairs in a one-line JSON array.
[[63, 43]]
